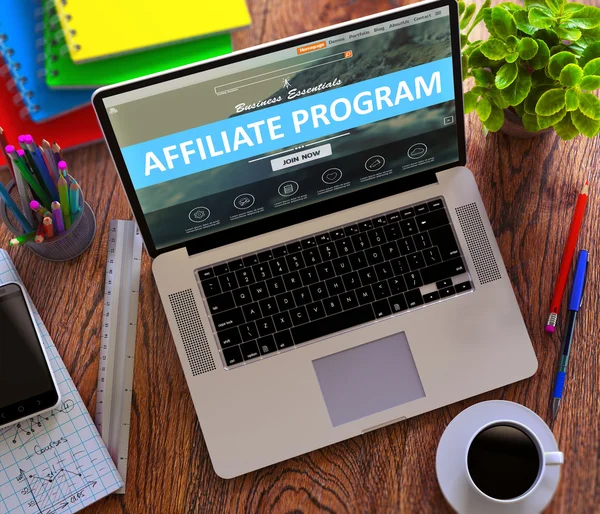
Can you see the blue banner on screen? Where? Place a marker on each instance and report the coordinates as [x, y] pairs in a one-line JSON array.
[[281, 126]]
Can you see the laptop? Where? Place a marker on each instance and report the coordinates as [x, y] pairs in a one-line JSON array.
[[323, 256]]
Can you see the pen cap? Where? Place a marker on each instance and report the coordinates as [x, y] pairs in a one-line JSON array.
[[578, 281]]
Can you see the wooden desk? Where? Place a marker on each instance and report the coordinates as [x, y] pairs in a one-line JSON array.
[[529, 189]]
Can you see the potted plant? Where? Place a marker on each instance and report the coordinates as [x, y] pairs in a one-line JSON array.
[[540, 65]]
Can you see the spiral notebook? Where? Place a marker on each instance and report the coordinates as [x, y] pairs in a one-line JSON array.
[[74, 129], [62, 72], [97, 30], [55, 462], [20, 27]]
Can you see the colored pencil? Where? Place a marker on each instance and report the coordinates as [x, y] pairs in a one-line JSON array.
[[20, 183], [567, 257], [14, 208], [4, 144], [42, 168], [48, 228], [39, 208], [74, 198], [57, 218], [31, 152], [63, 193], [47, 151], [62, 169], [57, 153], [19, 240], [33, 183], [39, 235]]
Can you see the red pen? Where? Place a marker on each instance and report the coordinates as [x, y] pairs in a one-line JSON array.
[[567, 258]]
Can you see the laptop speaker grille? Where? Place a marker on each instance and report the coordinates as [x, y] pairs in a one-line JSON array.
[[192, 332], [478, 243]]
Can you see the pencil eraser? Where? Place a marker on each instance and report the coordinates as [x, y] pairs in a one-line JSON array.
[[20, 152], [28, 138], [10, 149], [34, 204], [21, 138], [550, 329], [62, 165]]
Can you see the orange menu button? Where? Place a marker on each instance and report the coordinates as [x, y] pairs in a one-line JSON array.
[[312, 47]]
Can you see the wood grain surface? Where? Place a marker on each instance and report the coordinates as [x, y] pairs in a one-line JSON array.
[[529, 189]]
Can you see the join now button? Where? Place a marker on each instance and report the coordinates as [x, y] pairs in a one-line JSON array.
[[294, 159]]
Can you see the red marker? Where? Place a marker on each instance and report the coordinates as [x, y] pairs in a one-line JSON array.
[[567, 258]]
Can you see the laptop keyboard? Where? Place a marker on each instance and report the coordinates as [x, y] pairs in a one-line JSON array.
[[266, 303]]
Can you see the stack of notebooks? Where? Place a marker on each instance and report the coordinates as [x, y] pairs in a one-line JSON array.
[[54, 53]]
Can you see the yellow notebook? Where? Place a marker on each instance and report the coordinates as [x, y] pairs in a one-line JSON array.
[[97, 30]]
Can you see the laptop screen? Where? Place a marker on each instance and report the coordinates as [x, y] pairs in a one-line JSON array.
[[290, 128]]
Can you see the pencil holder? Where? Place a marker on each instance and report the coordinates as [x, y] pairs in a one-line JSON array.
[[72, 243]]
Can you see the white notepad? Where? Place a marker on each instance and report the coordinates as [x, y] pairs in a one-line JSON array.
[[53, 463]]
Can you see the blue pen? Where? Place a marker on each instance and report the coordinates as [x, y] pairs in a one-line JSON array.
[[575, 301]]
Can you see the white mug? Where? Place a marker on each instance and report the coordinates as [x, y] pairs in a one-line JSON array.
[[545, 459], [452, 461]]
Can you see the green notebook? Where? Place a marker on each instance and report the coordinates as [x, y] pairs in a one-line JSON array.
[[62, 72]]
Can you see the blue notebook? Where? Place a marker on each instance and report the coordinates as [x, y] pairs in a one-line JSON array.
[[20, 32]]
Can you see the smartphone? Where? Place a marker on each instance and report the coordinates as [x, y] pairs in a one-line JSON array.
[[27, 385]]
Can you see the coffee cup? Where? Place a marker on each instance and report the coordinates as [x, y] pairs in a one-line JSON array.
[[498, 457]]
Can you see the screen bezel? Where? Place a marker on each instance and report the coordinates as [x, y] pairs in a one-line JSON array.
[[308, 212], [45, 400]]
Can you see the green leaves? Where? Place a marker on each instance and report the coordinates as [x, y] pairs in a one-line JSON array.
[[494, 49], [506, 75], [571, 100], [567, 33], [550, 102], [527, 48], [484, 109], [589, 105], [470, 102], [484, 77], [570, 75], [519, 89], [530, 122], [565, 128], [522, 21], [587, 17], [540, 19], [590, 83], [592, 67], [495, 120], [555, 5], [547, 121], [468, 14], [503, 23], [587, 126], [541, 58], [558, 62], [591, 52]]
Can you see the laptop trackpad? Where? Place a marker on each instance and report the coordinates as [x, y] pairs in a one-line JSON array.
[[368, 379]]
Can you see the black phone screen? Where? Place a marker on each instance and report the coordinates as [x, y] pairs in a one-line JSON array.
[[25, 379]]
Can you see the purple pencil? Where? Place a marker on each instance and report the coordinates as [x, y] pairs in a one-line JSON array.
[[58, 218]]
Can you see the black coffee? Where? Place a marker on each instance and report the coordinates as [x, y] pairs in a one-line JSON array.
[[503, 461]]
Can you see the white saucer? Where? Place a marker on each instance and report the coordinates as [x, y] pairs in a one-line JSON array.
[[450, 459]]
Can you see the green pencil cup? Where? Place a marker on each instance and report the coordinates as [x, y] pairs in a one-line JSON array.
[[63, 247]]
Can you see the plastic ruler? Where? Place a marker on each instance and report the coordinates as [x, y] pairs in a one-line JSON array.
[[117, 348]]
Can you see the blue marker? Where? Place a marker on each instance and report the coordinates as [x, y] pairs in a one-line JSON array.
[[575, 301]]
